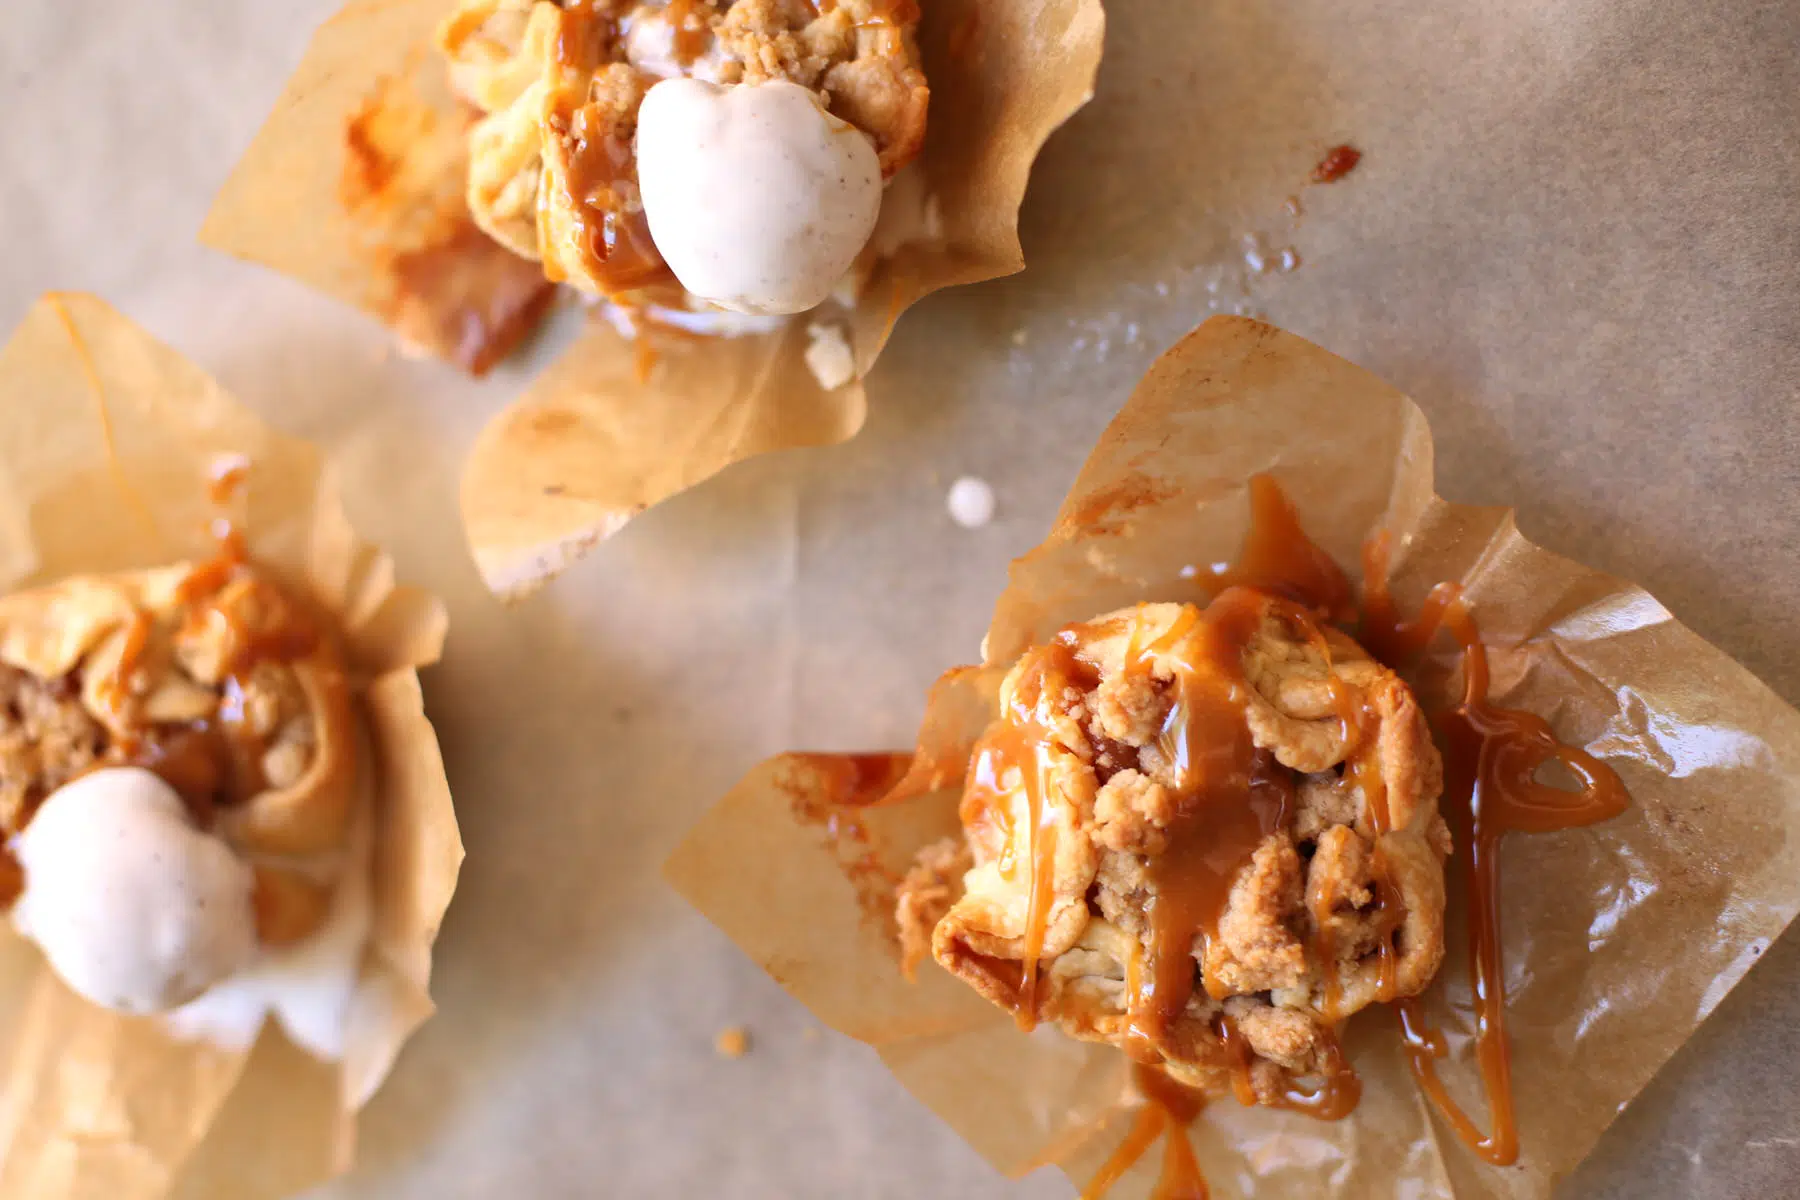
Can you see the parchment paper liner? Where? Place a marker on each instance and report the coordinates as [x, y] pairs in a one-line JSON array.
[[1619, 939], [106, 438], [590, 444]]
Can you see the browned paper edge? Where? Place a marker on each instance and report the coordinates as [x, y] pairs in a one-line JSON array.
[[106, 438], [1620, 938]]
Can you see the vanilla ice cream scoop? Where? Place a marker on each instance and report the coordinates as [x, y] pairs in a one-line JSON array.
[[758, 199], [135, 908]]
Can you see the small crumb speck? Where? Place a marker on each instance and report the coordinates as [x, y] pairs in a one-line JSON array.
[[828, 356], [732, 1043], [1020, 337], [971, 502], [810, 1033], [1290, 258]]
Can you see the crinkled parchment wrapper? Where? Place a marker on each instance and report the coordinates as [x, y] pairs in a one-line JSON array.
[[1619, 939], [106, 438], [591, 444]]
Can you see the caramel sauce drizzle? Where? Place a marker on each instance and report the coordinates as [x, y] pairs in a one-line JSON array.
[[114, 689], [1021, 746], [1168, 1108], [1279, 558], [220, 754], [1230, 796], [688, 22], [614, 238], [1492, 756]]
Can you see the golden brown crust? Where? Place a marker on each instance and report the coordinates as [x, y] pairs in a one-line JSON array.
[[1296, 947], [212, 677]]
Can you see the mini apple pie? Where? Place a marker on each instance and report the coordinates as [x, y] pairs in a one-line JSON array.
[[1206, 836], [719, 162], [177, 768]]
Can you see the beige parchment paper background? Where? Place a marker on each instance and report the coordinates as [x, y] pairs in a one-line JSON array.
[[597, 438], [1570, 240], [107, 439], [1619, 940]]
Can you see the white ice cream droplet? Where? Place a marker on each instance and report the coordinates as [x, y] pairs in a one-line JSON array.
[[310, 986], [133, 906], [758, 199], [971, 502]]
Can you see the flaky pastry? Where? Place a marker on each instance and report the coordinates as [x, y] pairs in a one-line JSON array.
[[1206, 837], [213, 678]]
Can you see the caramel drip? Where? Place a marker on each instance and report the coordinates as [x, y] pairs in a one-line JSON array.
[[1229, 797], [1278, 557], [1169, 1108], [1492, 757], [1334, 1099], [114, 691], [687, 21], [1237, 1057], [1362, 771], [12, 879], [222, 754], [1146, 1127], [1022, 744], [601, 183], [585, 31], [888, 21]]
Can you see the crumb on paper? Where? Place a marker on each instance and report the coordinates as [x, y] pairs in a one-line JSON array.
[[828, 356], [1290, 259], [733, 1042], [810, 1033], [971, 502], [1021, 336], [1293, 207]]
